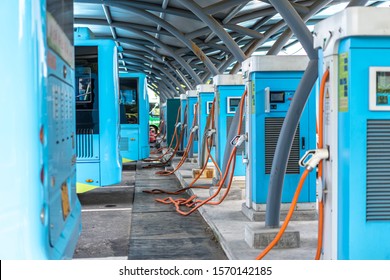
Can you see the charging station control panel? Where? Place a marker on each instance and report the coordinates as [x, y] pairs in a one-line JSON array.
[[277, 101], [379, 88], [208, 108]]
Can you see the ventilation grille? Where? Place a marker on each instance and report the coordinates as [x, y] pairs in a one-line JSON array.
[[84, 143], [229, 121], [124, 144], [272, 131], [378, 170]]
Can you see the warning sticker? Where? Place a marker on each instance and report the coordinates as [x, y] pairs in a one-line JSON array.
[[252, 96], [343, 82]]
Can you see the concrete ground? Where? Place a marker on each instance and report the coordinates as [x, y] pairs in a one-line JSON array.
[[106, 220], [229, 225], [123, 222]]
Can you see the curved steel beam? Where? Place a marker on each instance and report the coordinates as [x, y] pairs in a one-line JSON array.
[[141, 47], [159, 58], [152, 81], [146, 6], [295, 22], [163, 86], [172, 30], [175, 71], [148, 37], [197, 33], [253, 15], [161, 89], [201, 44], [150, 78], [151, 73], [223, 5], [158, 67], [355, 3], [131, 41], [216, 28], [287, 34], [244, 31], [256, 43], [228, 17], [180, 74], [169, 50]]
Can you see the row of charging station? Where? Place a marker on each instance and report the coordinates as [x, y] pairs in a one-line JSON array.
[[271, 88], [355, 187]]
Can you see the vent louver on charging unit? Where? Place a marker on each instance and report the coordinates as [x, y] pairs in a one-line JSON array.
[[378, 170], [272, 131]]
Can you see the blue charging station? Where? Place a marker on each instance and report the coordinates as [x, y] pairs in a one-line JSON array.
[[205, 102], [192, 99], [184, 120], [272, 82], [228, 92], [134, 117], [356, 191]]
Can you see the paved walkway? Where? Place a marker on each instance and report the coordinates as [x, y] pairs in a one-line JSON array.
[[122, 222], [158, 232], [229, 225]]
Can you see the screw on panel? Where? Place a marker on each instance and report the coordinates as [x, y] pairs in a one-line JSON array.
[[65, 72]]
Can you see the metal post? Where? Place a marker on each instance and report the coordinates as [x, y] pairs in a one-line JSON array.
[[355, 3], [295, 22], [283, 39], [290, 124]]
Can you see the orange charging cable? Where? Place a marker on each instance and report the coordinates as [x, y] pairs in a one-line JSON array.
[[196, 204], [186, 151], [209, 144]]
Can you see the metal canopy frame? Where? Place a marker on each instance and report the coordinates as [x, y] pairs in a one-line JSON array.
[[187, 42]]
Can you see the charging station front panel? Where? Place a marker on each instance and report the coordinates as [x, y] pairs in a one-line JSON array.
[[364, 149], [170, 113], [184, 120], [228, 98], [205, 102], [191, 101], [270, 99]]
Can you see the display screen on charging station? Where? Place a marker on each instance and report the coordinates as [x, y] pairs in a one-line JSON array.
[[379, 86], [209, 105], [277, 97], [382, 87], [232, 104]]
